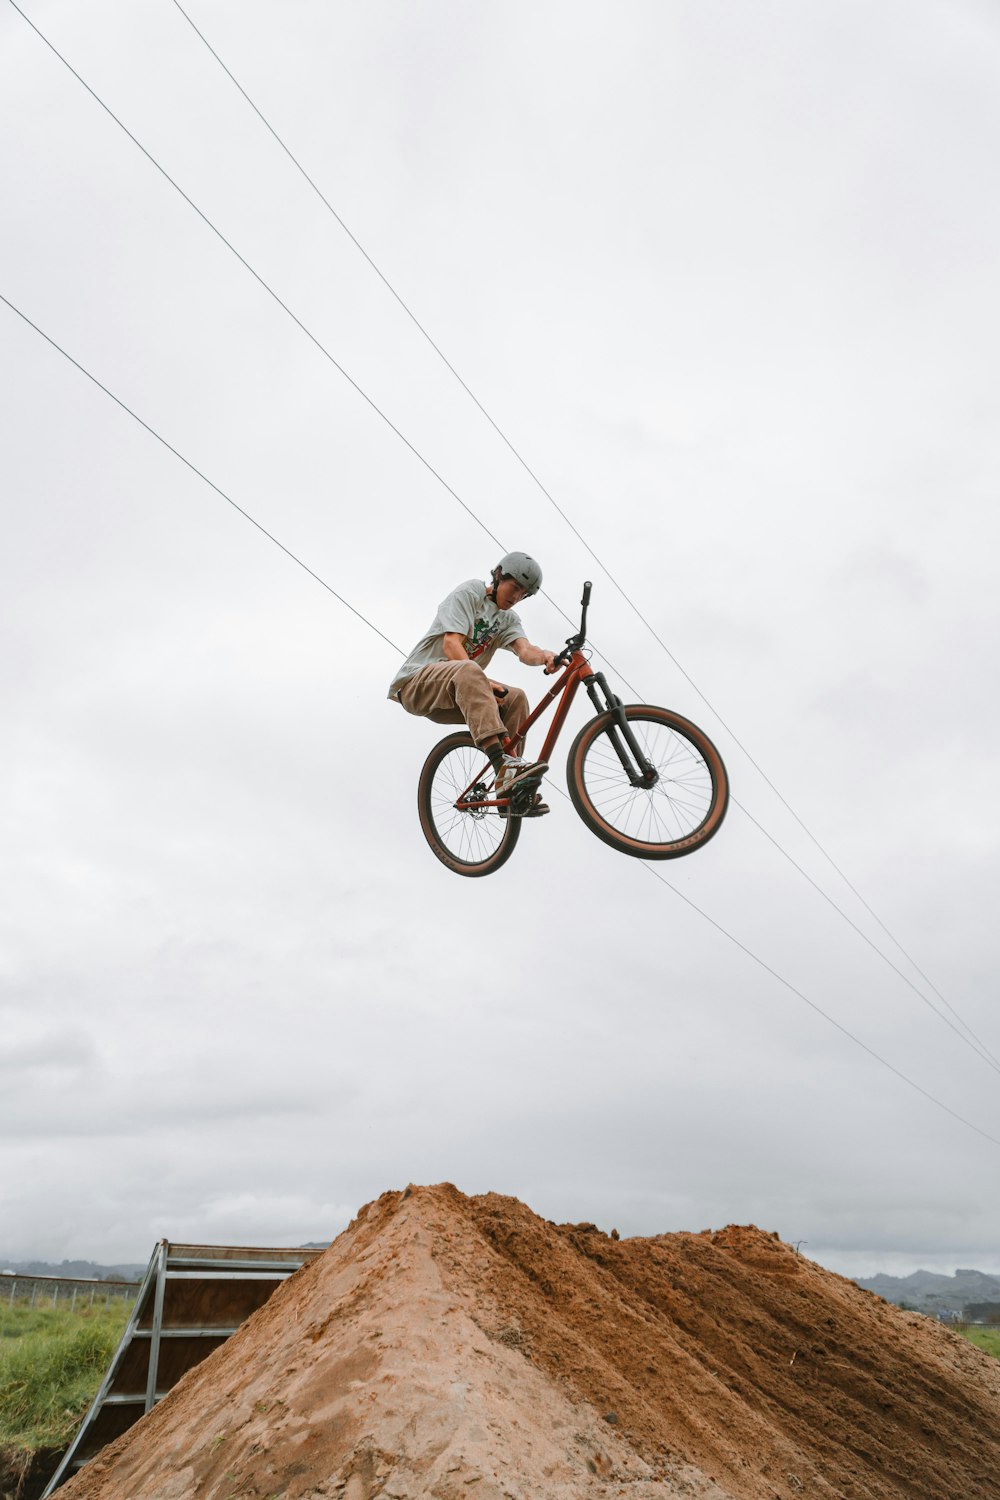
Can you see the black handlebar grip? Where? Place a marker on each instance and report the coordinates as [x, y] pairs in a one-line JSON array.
[[586, 593]]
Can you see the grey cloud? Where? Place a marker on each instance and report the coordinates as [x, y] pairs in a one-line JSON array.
[[742, 321]]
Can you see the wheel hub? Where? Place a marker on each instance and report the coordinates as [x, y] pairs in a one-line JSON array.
[[478, 793]]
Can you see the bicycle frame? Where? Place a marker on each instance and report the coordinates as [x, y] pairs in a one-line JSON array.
[[578, 670]]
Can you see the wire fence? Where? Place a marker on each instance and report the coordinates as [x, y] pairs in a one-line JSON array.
[[65, 1292]]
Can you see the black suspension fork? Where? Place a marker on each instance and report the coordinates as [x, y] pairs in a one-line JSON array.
[[635, 765]]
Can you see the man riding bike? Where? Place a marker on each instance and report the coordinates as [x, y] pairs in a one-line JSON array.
[[443, 679]]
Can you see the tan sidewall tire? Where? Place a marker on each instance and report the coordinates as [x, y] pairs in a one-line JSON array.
[[620, 841], [425, 786]]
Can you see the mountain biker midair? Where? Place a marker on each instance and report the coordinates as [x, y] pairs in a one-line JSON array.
[[443, 678]]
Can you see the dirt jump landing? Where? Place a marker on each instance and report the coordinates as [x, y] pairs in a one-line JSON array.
[[453, 1347]]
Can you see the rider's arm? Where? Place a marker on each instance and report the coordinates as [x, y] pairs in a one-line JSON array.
[[453, 646], [532, 656]]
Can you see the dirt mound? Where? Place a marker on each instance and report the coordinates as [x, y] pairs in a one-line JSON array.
[[449, 1346]]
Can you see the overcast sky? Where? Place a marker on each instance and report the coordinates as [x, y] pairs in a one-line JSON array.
[[726, 275]]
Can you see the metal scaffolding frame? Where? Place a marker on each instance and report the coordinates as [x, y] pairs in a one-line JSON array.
[[192, 1298]]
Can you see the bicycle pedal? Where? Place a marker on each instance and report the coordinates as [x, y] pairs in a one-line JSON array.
[[523, 796]]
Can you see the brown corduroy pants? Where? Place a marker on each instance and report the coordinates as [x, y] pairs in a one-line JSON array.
[[457, 692]]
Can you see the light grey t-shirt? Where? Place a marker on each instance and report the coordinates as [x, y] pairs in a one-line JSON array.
[[466, 612]]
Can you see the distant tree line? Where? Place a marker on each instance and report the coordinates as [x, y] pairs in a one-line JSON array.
[[982, 1312]]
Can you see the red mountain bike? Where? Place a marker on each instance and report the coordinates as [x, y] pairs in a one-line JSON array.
[[646, 781]]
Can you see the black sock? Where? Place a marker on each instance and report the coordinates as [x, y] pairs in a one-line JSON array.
[[496, 756]]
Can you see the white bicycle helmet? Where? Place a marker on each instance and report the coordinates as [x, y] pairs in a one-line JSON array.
[[522, 568]]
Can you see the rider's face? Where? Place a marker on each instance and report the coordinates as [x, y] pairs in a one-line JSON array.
[[509, 593]]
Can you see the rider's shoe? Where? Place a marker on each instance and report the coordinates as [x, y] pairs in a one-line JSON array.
[[538, 808], [516, 773], [515, 770]]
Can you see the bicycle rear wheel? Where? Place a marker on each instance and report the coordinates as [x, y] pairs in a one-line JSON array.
[[678, 813], [470, 843]]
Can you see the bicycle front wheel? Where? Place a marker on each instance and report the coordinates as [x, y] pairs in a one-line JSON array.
[[476, 842], [678, 812]]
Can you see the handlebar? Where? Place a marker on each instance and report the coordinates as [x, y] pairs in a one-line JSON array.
[[574, 642]]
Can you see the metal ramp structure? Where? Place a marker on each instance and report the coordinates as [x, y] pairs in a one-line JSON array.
[[190, 1301]]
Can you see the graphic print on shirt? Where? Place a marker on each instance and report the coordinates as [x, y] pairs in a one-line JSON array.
[[481, 636]]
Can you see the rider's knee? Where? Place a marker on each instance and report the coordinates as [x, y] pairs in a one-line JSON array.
[[470, 681]]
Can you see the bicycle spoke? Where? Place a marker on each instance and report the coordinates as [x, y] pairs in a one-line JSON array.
[[669, 811], [471, 837]]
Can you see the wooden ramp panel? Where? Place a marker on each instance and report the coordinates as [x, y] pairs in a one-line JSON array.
[[190, 1301]]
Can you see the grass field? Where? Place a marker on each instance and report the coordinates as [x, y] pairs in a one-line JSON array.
[[51, 1363], [984, 1338]]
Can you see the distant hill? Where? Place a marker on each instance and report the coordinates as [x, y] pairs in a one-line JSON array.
[[928, 1292], [81, 1270]]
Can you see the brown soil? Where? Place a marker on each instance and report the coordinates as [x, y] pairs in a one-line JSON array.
[[462, 1347], [24, 1472]]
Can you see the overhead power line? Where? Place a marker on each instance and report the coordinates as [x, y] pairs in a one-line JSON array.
[[217, 489], [800, 995], [976, 1043], [980, 1048], [276, 298], [195, 470], [257, 277]]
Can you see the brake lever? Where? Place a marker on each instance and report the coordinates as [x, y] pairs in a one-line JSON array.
[[573, 644]]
